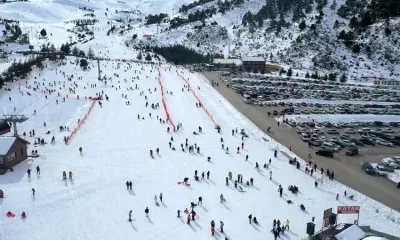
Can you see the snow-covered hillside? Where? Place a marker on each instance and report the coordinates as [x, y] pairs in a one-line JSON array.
[[116, 148]]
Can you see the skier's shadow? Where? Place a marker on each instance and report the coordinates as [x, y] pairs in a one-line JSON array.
[[275, 182], [164, 205], [228, 208], [190, 225], [149, 219], [211, 181], [255, 226], [133, 227], [197, 225], [205, 209], [256, 187], [33, 198], [72, 181], [217, 235], [131, 192]]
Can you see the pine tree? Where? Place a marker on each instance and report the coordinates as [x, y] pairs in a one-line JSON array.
[[307, 75], [302, 25], [343, 78], [139, 56], [148, 57], [43, 33], [289, 72], [334, 5], [90, 53], [75, 51]]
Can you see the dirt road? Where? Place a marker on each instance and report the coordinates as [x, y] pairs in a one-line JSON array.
[[347, 169]]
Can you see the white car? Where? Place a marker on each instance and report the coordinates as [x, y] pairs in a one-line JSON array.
[[380, 172], [348, 142], [384, 143], [349, 130], [322, 138], [333, 139], [388, 130]]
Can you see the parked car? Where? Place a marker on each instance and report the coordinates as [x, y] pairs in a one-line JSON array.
[[349, 131], [384, 143], [348, 143], [333, 131], [351, 151], [357, 142], [368, 168], [305, 137], [367, 141], [387, 166], [380, 173], [324, 152], [391, 163], [384, 168], [275, 112], [344, 136]]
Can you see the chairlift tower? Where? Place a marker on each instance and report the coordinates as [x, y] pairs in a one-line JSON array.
[[14, 119], [98, 68]]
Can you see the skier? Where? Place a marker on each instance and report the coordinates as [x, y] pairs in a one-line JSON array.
[[130, 216], [208, 174], [33, 191], [130, 185], [158, 151], [280, 190], [227, 181], [202, 175], [185, 180], [250, 217], [212, 223], [188, 219], [155, 198], [193, 215], [221, 198], [29, 172], [238, 149], [23, 215], [127, 185], [247, 157], [147, 211], [270, 175], [221, 223], [64, 175], [151, 153], [242, 145], [212, 231], [195, 172], [200, 201], [37, 170], [80, 150], [287, 224], [161, 196], [230, 175], [179, 213]]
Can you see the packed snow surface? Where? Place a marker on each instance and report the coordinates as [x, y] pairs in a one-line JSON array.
[[116, 149]]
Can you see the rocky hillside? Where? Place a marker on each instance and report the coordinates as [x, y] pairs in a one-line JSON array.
[[359, 37]]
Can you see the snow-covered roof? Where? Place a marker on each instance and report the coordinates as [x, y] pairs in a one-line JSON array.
[[351, 233], [227, 61], [253, 59], [5, 144]]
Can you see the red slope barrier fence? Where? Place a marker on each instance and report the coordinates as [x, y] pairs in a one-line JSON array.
[[198, 99], [80, 124], [169, 120]]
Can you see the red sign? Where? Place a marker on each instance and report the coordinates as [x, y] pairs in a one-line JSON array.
[[348, 209]]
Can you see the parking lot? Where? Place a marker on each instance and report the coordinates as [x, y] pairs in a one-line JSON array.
[[347, 168]]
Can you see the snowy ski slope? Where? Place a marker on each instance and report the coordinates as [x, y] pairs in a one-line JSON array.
[[116, 145]]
